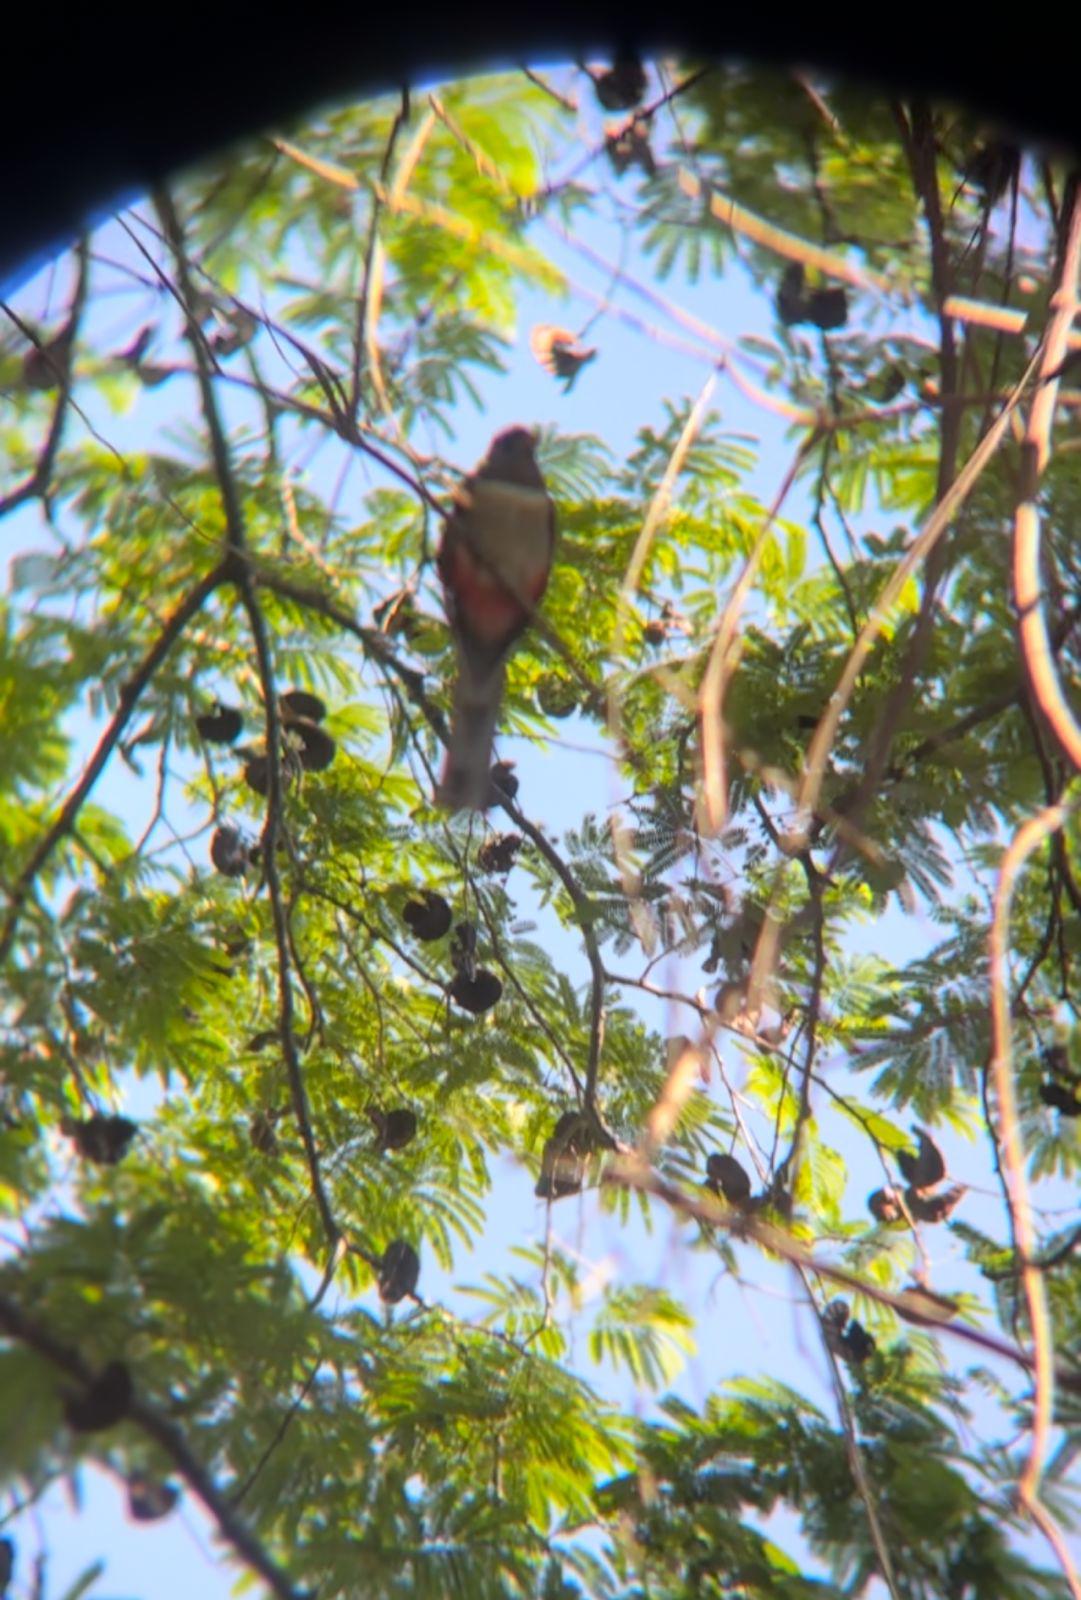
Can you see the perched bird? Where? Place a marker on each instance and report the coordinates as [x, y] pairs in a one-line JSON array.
[[494, 559]]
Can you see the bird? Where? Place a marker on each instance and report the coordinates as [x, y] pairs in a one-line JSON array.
[[494, 558]]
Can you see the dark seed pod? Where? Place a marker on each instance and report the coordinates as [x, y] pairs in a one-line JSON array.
[[477, 994], [149, 1499], [563, 1157], [927, 1167], [296, 703], [630, 147], [46, 364], [221, 725], [498, 853], [229, 852], [428, 918], [623, 86], [257, 774], [261, 1133], [1056, 1058], [101, 1139], [398, 1271], [102, 1403], [791, 302], [885, 385], [827, 308], [836, 1314], [317, 748], [885, 1205], [260, 1041], [991, 168], [240, 328], [724, 1175], [504, 779], [857, 1345], [934, 1207], [834, 1318], [561, 1172], [393, 1129], [1062, 1097]]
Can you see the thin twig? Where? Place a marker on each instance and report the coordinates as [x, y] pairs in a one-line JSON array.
[[130, 692], [37, 483]]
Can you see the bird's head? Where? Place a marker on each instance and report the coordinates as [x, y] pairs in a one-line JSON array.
[[512, 451]]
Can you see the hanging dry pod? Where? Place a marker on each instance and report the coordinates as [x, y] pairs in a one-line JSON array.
[[857, 1345], [261, 1133], [497, 854], [399, 1271], [563, 1157], [150, 1499], [102, 1402], [428, 918], [316, 747], [477, 994], [623, 85], [724, 1175], [100, 1138], [221, 725], [45, 365], [504, 780], [230, 852], [300, 703], [629, 146], [393, 1129]]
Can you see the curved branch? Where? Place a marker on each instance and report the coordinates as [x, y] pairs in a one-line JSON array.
[[1036, 656], [1027, 839]]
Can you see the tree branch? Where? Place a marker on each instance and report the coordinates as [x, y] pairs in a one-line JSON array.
[[129, 698], [17, 1325]]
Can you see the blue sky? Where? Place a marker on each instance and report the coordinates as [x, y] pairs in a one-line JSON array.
[[748, 1325]]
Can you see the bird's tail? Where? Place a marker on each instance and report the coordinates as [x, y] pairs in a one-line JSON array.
[[465, 782]]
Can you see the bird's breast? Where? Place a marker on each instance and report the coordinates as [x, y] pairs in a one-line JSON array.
[[508, 529]]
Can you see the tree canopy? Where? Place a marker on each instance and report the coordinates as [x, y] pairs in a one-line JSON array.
[[285, 1041]]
